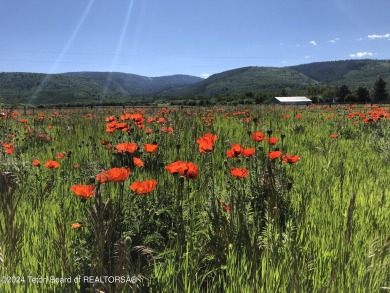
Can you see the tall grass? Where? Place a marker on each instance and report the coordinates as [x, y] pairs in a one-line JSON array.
[[317, 225]]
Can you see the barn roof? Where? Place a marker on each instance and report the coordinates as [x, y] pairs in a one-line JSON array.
[[293, 99]]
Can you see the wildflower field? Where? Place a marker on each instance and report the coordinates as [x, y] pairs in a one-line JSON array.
[[223, 199]]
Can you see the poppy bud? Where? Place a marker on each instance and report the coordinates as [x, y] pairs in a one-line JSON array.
[[269, 132], [128, 241], [178, 146], [91, 180]]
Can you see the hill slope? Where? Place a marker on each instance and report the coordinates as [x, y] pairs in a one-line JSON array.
[[353, 73], [17, 87], [98, 86], [247, 79]]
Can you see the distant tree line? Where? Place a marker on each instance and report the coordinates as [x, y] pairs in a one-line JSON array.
[[363, 95], [343, 94]]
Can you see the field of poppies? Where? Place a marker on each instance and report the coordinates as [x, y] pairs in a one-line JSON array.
[[222, 199]]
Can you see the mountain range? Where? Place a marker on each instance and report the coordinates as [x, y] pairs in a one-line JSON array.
[[92, 87]]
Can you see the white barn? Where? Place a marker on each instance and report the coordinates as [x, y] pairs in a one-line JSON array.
[[290, 101]]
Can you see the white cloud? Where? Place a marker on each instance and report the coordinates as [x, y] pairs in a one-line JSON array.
[[373, 37], [361, 54], [205, 75], [334, 40], [307, 56], [314, 43]]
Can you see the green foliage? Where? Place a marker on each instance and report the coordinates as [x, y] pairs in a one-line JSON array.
[[342, 92], [318, 225], [83, 87], [253, 83], [380, 92]]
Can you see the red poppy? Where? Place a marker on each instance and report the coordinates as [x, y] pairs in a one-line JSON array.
[[291, 159], [8, 145], [77, 225], [143, 186], [274, 155], [118, 174], [36, 163], [9, 151], [52, 164], [76, 166], [250, 152], [235, 151], [125, 116], [113, 175], [257, 136], [188, 170], [138, 162], [110, 119], [148, 131], [150, 148], [104, 142], [206, 142], [61, 155], [173, 167], [168, 129], [239, 173], [334, 135], [225, 206], [129, 147], [161, 120], [272, 140], [84, 191]]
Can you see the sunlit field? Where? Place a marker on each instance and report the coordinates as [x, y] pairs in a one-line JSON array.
[[222, 199]]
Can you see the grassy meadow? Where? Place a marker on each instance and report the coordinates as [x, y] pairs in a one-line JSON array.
[[222, 199]]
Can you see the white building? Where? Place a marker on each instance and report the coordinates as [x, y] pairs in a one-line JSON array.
[[290, 101]]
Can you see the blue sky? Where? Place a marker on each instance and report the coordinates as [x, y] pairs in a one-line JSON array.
[[195, 37]]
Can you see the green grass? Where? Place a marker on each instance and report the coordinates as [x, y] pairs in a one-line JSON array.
[[318, 225]]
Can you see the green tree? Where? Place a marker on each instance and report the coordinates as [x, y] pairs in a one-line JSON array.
[[350, 98], [380, 91], [362, 95], [342, 92]]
